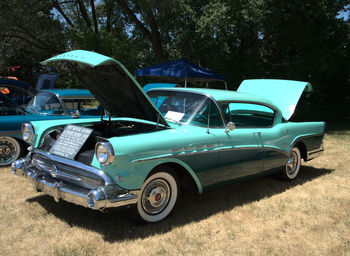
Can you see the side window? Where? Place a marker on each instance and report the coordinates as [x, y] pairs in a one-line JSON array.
[[53, 106], [248, 114], [208, 113], [84, 106], [215, 119], [71, 105]]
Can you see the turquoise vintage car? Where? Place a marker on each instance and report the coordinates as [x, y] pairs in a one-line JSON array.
[[44, 105], [152, 146]]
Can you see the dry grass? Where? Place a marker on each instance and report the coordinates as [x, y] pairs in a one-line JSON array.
[[309, 216]]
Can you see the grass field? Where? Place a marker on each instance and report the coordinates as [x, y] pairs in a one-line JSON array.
[[266, 216]]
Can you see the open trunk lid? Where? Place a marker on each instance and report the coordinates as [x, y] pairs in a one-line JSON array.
[[285, 94]]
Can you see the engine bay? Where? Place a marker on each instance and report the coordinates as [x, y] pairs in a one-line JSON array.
[[101, 131]]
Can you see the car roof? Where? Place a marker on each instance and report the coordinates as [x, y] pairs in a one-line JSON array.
[[69, 92], [18, 83], [224, 95]]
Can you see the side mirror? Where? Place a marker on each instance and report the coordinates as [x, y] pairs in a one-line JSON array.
[[76, 114], [230, 126]]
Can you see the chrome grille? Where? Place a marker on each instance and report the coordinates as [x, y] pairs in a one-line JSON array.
[[67, 173]]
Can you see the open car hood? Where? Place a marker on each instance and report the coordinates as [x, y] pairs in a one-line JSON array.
[[285, 94], [112, 85]]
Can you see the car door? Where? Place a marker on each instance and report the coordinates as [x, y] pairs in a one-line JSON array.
[[241, 153], [242, 149]]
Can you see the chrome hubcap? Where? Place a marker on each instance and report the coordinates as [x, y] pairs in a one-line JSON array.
[[292, 163], [7, 151], [156, 196]]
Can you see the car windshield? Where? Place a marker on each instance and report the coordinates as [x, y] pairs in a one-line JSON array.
[[9, 107], [45, 102], [181, 107]]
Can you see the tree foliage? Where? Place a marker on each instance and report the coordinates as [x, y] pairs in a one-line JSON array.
[[241, 39]]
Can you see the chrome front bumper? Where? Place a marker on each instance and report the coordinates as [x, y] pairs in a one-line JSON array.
[[100, 198]]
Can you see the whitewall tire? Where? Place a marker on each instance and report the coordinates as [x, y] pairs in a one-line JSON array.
[[293, 165], [158, 196]]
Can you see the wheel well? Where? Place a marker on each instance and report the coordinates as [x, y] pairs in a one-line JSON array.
[[24, 145], [187, 182], [302, 149]]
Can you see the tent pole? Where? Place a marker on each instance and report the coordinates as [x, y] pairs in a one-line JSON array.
[[185, 82], [225, 85]]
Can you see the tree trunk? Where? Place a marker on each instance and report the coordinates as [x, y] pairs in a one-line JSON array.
[[153, 35]]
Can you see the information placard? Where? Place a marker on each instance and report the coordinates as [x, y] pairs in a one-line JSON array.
[[70, 141]]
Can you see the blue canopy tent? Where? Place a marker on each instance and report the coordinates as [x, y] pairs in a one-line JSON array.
[[180, 70]]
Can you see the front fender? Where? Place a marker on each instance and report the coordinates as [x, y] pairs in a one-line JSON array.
[[154, 163], [132, 174]]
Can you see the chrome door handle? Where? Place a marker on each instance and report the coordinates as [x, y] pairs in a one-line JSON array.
[[285, 130], [257, 133]]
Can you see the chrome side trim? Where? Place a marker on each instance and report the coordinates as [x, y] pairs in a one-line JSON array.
[[314, 154], [76, 164], [206, 152], [278, 150], [316, 150], [7, 133], [304, 137]]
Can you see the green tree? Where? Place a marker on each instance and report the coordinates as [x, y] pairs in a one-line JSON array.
[[28, 34], [242, 39]]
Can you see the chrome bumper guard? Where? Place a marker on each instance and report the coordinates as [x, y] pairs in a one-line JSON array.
[[98, 199]]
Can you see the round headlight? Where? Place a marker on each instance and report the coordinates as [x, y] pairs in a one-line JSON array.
[[104, 153], [28, 132]]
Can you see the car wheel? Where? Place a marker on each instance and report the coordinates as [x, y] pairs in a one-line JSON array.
[[10, 150], [293, 165], [158, 196]]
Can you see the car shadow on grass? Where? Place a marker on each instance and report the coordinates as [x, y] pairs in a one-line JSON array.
[[115, 225]]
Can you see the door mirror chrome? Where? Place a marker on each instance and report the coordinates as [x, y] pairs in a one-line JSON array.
[[230, 126]]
